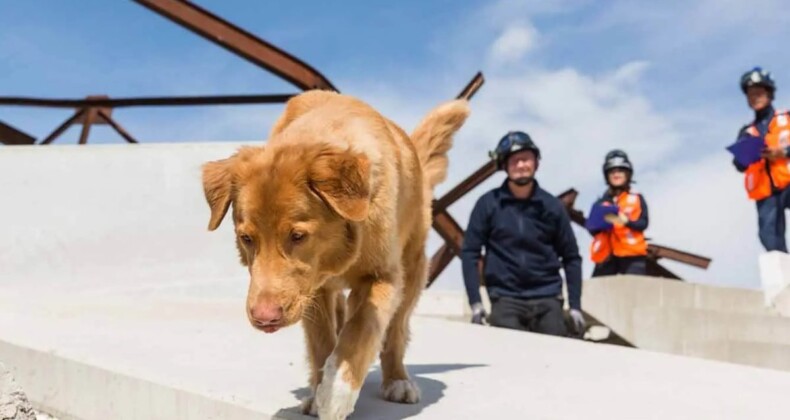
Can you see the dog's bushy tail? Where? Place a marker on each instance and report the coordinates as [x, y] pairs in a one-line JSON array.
[[433, 138]]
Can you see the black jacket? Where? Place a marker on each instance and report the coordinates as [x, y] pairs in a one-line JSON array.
[[526, 243]]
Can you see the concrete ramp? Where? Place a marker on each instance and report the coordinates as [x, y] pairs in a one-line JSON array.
[[116, 303], [160, 358]]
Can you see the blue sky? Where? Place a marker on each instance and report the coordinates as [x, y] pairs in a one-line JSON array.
[[658, 79]]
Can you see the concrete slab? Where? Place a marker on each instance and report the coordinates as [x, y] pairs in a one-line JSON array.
[[682, 318], [668, 329], [774, 274], [775, 279], [768, 355], [111, 218], [188, 359], [641, 291]]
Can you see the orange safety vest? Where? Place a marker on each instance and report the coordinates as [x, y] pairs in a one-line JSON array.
[[621, 241], [759, 176]]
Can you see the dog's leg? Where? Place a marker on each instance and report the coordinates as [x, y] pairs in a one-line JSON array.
[[340, 311], [372, 303], [396, 385], [320, 327]]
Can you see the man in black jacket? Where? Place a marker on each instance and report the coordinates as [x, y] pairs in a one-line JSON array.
[[527, 237]]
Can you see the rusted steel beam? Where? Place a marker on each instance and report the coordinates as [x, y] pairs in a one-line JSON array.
[[577, 217], [568, 197], [117, 127], [472, 87], [105, 102], [63, 127], [103, 109], [239, 42], [12, 136], [614, 337], [464, 187], [655, 269], [660, 251], [89, 116], [439, 262], [449, 230]]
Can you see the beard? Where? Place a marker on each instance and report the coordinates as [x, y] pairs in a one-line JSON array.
[[522, 180]]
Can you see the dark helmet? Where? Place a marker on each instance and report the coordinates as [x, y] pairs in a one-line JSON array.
[[512, 142], [617, 159], [616, 153], [757, 77]]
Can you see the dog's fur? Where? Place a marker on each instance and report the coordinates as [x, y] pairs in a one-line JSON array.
[[339, 197]]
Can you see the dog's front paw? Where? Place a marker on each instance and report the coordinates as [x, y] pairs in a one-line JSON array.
[[309, 407], [401, 391], [334, 397]]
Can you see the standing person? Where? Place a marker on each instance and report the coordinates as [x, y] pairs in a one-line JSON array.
[[528, 238], [619, 246], [766, 180]]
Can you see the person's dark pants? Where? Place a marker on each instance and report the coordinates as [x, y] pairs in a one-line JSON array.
[[540, 315], [771, 220], [621, 265]]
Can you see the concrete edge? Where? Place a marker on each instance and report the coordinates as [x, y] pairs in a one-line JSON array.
[[72, 390]]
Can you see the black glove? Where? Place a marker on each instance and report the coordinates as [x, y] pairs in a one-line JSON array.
[[478, 314]]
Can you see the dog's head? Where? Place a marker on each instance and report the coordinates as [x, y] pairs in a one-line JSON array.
[[297, 211]]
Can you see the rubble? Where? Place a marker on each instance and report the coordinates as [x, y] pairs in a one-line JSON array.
[[13, 401]]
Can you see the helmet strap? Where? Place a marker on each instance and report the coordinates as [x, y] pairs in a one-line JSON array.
[[522, 181]]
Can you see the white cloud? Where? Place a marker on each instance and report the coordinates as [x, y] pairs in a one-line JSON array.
[[629, 74], [513, 43], [701, 206]]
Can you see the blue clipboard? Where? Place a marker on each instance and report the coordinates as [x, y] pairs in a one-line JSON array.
[[747, 149], [596, 219]]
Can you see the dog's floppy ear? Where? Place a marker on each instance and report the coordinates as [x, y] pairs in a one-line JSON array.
[[218, 188], [342, 179]]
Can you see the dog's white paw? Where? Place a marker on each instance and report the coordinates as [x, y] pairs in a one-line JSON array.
[[309, 407], [334, 397], [401, 391]]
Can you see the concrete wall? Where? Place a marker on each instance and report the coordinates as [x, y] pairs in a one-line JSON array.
[[699, 320], [775, 280], [113, 217], [121, 218]]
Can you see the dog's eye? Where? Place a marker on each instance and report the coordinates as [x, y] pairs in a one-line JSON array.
[[297, 237], [246, 239]]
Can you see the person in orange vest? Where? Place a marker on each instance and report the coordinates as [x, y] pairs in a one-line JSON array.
[[767, 179], [619, 245]]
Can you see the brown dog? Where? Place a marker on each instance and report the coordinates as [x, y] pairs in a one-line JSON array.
[[340, 197]]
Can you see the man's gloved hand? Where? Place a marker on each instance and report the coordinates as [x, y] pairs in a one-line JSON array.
[[478, 314], [577, 319]]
